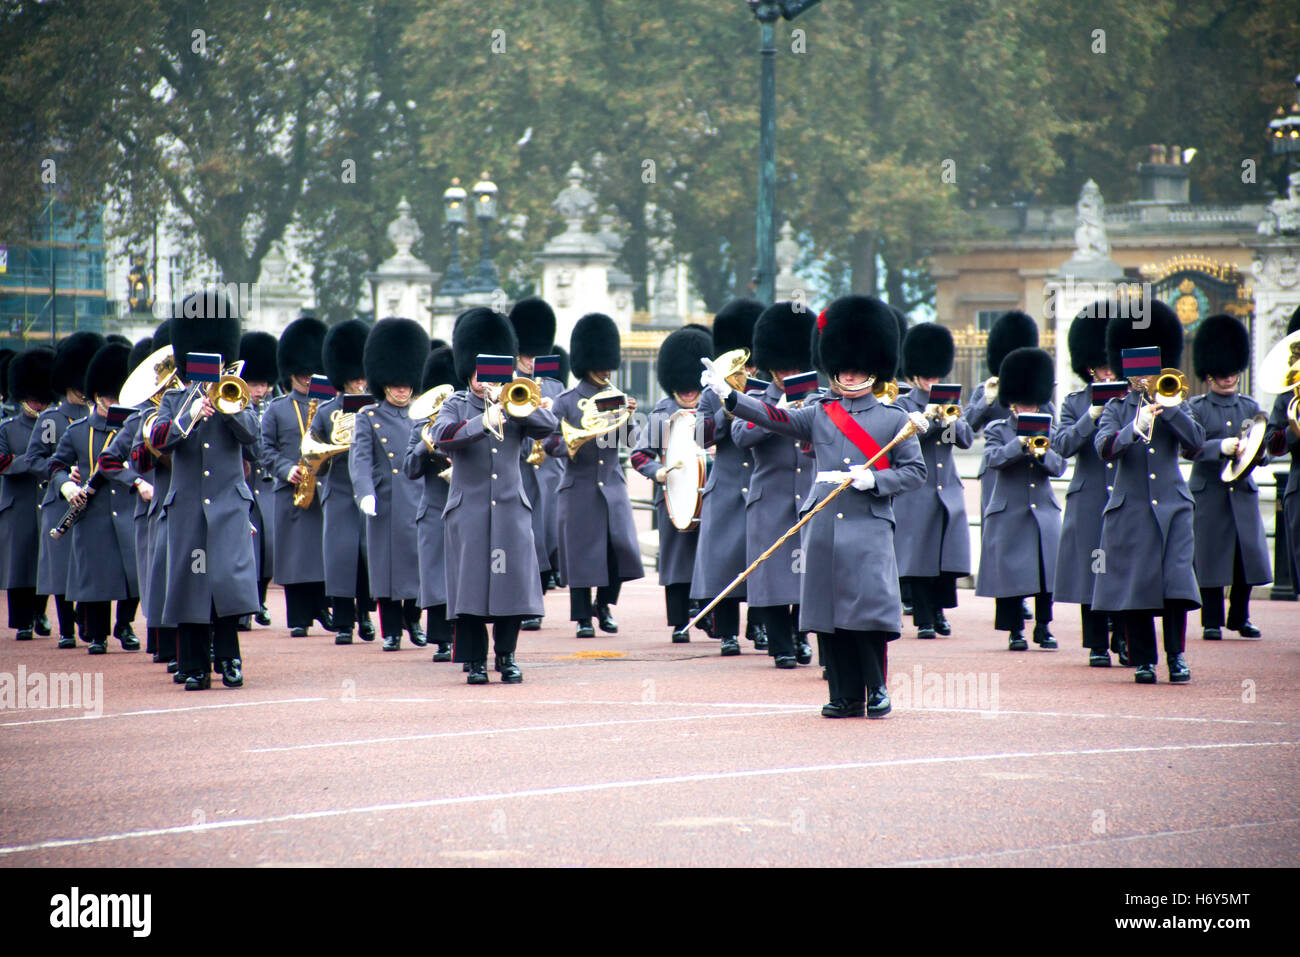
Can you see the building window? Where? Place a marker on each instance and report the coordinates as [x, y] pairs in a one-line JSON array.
[[984, 318]]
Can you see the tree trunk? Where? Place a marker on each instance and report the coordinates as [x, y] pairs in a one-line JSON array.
[[863, 279]]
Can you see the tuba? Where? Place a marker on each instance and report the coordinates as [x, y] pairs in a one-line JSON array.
[[1280, 373], [150, 379], [595, 422], [1168, 389]]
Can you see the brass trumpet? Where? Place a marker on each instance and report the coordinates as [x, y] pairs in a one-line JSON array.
[[942, 411], [228, 395], [1038, 445], [1168, 389], [518, 399]]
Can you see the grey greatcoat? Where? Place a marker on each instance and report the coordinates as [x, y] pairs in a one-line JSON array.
[[379, 441], [342, 524], [117, 462], [540, 486], [850, 578], [262, 484], [491, 561], [427, 466], [153, 581], [932, 533], [1147, 537], [103, 540], [210, 560], [592, 504], [676, 548], [782, 480], [979, 415], [721, 549], [1022, 524], [55, 554], [298, 537], [1226, 515], [550, 472], [20, 491], [1282, 440], [1085, 500]]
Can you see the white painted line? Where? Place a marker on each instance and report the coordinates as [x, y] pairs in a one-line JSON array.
[[492, 732], [151, 711], [1097, 842], [618, 785]]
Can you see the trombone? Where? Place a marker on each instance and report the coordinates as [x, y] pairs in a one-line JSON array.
[[1166, 390], [518, 398]]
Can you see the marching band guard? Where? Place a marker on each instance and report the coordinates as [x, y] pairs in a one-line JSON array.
[[491, 561], [533, 320], [299, 563], [211, 566], [257, 350], [592, 503], [550, 472], [1147, 538], [1283, 436], [720, 555], [424, 462], [1021, 531], [677, 365], [29, 385], [1090, 486], [935, 551], [850, 584], [781, 482], [1231, 549], [71, 358], [102, 568], [8, 404], [347, 577], [393, 362]]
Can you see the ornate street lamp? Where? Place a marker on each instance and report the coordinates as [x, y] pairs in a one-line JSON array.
[[485, 210], [1284, 131], [456, 215]]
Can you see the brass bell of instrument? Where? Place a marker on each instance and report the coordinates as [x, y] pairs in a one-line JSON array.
[[731, 366], [594, 422]]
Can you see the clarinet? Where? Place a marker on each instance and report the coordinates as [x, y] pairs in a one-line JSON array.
[[74, 512]]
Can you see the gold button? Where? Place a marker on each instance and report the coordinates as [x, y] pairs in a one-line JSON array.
[[1033, 505], [1151, 451], [207, 501], [494, 451], [839, 514], [1109, 487], [1153, 474], [494, 474], [798, 469], [384, 439], [494, 501], [1110, 465], [394, 471], [745, 490], [939, 487], [746, 465], [1032, 485], [601, 462], [600, 483], [1154, 502], [846, 461], [1229, 425], [207, 474], [115, 514], [940, 465], [206, 446]]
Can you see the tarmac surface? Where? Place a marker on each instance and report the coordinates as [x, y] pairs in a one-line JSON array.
[[629, 750]]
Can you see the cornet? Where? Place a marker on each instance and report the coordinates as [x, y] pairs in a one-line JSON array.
[[228, 395], [1168, 389], [518, 399], [1038, 445]]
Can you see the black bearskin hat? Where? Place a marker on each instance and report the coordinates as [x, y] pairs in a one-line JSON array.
[[534, 322], [207, 322], [107, 371], [1087, 339], [7, 356], [436, 344], [480, 331], [343, 348], [30, 375], [781, 337], [139, 352], [118, 338], [1011, 330], [928, 351], [1160, 327], [733, 326], [679, 366], [258, 350], [1221, 347], [162, 336], [903, 326], [1294, 322], [440, 369], [594, 345], [71, 359], [302, 345], [394, 355], [558, 350], [859, 333], [1027, 376]]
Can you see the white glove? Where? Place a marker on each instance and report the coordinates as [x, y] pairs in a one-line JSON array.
[[834, 478], [1228, 447], [661, 476], [991, 390], [492, 416], [1094, 412], [69, 490], [1146, 418], [710, 379], [367, 505], [864, 479], [920, 421]]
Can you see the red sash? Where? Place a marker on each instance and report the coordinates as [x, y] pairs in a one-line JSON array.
[[855, 433]]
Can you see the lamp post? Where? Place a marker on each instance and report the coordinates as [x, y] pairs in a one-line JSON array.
[[1284, 131], [453, 201], [485, 210], [767, 12]]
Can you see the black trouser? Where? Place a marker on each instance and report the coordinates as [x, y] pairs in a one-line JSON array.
[[344, 607], [677, 602], [262, 585], [1238, 599], [166, 643], [930, 595], [855, 662], [303, 602], [126, 609], [1008, 615], [781, 622], [580, 607], [1096, 629], [199, 643], [437, 628], [470, 640], [396, 615], [24, 606], [67, 614], [95, 619], [726, 618], [1140, 626]]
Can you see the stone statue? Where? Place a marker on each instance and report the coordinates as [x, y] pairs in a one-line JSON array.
[[1282, 216], [1090, 234], [575, 202]]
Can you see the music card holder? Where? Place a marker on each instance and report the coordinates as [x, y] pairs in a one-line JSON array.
[[1140, 361], [1033, 423], [546, 367], [320, 389], [756, 385], [355, 403], [799, 386], [945, 393], [202, 366], [495, 370], [1103, 392], [609, 403], [118, 414]]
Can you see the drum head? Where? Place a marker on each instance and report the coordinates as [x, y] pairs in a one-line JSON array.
[[687, 466], [1249, 451]]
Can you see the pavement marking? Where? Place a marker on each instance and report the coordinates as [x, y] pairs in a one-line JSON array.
[[489, 732], [613, 786], [133, 714], [956, 858]]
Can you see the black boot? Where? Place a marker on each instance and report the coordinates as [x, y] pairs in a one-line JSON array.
[[245, 623], [941, 623], [263, 617], [681, 636], [126, 635], [326, 622], [393, 642], [477, 673], [443, 653], [802, 650], [1042, 636], [531, 624], [510, 673], [878, 704], [232, 673], [1179, 673], [366, 628], [417, 634], [760, 637], [198, 682], [343, 638], [606, 620], [42, 625], [1016, 642], [585, 630], [730, 646]]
